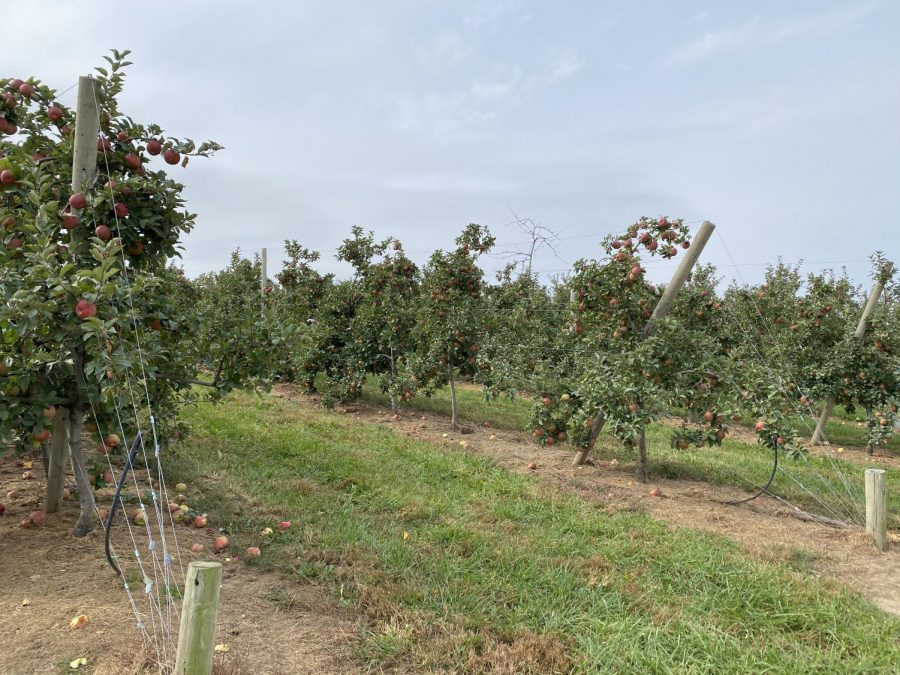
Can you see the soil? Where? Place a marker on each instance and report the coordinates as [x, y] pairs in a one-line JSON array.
[[765, 527], [48, 577]]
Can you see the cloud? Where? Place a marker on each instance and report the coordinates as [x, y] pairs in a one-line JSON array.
[[715, 43], [753, 33], [563, 64], [491, 13], [468, 183], [448, 114], [447, 49]]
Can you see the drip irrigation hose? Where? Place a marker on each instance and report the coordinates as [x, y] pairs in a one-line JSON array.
[[764, 488], [129, 461]]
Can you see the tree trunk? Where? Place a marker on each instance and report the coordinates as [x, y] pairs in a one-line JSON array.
[[57, 461], [596, 428], [85, 492], [391, 391], [643, 468], [454, 413], [45, 458]]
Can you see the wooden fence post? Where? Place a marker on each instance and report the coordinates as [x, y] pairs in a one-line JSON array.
[[84, 171], [819, 434], [263, 272], [660, 312], [197, 634], [876, 515]]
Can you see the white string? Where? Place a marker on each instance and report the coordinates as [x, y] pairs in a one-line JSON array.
[[856, 503], [165, 565]]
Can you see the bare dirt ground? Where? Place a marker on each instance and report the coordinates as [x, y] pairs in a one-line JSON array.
[[765, 527], [48, 577]]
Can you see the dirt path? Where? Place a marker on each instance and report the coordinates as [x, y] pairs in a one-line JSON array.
[[47, 577], [765, 528]]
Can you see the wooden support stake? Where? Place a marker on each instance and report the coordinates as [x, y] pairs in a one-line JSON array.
[[197, 635], [84, 171], [819, 434], [58, 460], [263, 273], [87, 130], [876, 513], [660, 312]]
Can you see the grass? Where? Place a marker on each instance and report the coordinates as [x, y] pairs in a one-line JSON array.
[[831, 487], [457, 565]]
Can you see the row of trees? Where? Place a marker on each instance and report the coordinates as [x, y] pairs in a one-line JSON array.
[[585, 347]]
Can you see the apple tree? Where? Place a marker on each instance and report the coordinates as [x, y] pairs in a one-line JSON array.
[[628, 372], [92, 336], [451, 315], [527, 345], [363, 324]]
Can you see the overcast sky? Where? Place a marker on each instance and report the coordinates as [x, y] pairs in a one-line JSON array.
[[778, 121]]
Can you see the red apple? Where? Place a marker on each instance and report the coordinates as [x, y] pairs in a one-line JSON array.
[[196, 548], [200, 521], [121, 209], [103, 232], [284, 525], [103, 144], [132, 161], [154, 147], [253, 551], [69, 221], [760, 426], [55, 113], [112, 440], [122, 137], [171, 156], [78, 201], [220, 543], [14, 244], [27, 90], [7, 177], [85, 309], [656, 492]]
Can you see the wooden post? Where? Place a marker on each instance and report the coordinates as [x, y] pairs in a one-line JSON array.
[[819, 434], [87, 130], [876, 516], [84, 171], [197, 634], [680, 277], [660, 312], [58, 458], [263, 274]]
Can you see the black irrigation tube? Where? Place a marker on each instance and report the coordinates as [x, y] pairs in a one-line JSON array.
[[129, 462], [764, 488]]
